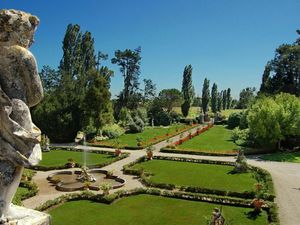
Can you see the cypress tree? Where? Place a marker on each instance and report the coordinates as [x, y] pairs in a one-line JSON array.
[[224, 99], [187, 90], [205, 96], [214, 98], [228, 98], [220, 98]]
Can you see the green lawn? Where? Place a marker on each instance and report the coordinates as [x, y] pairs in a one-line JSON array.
[[283, 157], [148, 210], [217, 177], [216, 139], [60, 158], [148, 135]]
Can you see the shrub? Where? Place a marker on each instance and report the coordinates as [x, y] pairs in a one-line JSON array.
[[142, 114], [137, 126], [162, 118], [234, 120], [175, 117], [113, 131]]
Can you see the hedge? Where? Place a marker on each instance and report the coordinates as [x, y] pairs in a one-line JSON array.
[[263, 175], [270, 208]]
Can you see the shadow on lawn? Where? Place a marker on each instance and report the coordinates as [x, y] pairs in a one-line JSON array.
[[253, 215]]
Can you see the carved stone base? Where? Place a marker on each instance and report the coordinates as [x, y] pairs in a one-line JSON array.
[[29, 217]]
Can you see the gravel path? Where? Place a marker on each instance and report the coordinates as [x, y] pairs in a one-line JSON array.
[[286, 178]]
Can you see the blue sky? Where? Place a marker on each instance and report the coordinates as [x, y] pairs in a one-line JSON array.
[[227, 41]]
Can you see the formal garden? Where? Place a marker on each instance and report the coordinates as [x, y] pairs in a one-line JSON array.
[[152, 152]]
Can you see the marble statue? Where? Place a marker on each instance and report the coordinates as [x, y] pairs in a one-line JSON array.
[[20, 89]]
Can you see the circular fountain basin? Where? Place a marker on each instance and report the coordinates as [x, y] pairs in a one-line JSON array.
[[67, 180]]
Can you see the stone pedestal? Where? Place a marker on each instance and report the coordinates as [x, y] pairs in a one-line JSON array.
[[29, 217]]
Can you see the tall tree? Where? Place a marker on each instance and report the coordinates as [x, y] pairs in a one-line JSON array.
[[187, 90], [50, 78], [224, 99], [149, 89], [98, 107], [170, 98], [205, 95], [282, 74], [129, 62], [220, 98], [265, 85], [246, 97], [214, 98], [228, 98]]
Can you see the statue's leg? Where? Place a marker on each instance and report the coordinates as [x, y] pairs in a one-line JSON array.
[[9, 182]]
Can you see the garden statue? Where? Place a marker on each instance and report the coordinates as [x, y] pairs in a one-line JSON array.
[[217, 218], [20, 89], [241, 165]]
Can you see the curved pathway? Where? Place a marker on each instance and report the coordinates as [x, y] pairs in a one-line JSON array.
[[286, 179]]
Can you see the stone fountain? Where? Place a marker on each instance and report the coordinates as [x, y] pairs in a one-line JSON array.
[[20, 89]]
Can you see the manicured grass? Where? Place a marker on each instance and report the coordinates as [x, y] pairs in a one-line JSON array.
[[148, 210], [60, 158], [216, 139], [211, 176], [147, 136], [283, 157]]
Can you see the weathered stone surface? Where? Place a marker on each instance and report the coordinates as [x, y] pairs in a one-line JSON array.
[[28, 217], [20, 88]]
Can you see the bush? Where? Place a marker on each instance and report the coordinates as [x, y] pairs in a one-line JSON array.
[[162, 118], [175, 117], [137, 126], [113, 131], [124, 117], [273, 119], [234, 120], [142, 114]]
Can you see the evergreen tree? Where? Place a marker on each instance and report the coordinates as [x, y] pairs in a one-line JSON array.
[[97, 102], [187, 90], [220, 98], [247, 96], [265, 85], [282, 74], [149, 89], [129, 62], [214, 98], [224, 100], [205, 96], [228, 98]]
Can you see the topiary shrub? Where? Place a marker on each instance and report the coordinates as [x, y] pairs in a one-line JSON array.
[[234, 120], [112, 131]]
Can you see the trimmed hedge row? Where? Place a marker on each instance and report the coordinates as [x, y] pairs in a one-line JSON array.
[[247, 151], [270, 208], [145, 145], [47, 168], [32, 191], [264, 176]]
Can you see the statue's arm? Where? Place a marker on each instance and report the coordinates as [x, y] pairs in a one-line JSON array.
[[33, 84]]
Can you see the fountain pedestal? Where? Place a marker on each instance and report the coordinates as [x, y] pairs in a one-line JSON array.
[[28, 217]]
